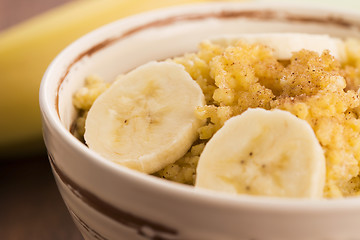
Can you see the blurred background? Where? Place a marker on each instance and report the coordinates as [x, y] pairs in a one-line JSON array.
[[12, 12], [32, 33]]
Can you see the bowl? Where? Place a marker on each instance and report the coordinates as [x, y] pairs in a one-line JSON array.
[[108, 201]]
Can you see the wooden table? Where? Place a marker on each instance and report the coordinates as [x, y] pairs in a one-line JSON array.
[[31, 207]]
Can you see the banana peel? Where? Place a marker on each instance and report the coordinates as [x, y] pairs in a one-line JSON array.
[[27, 49]]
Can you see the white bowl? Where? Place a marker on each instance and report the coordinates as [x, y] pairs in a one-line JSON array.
[[108, 201]]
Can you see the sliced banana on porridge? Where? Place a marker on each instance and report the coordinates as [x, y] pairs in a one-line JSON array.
[[146, 119], [284, 44], [261, 152], [149, 119]]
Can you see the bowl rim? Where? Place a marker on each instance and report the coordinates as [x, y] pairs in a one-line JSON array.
[[48, 111]]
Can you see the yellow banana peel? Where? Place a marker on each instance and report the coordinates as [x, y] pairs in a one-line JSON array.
[[27, 49]]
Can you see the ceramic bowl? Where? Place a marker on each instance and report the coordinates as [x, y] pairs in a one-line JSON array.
[[108, 201]]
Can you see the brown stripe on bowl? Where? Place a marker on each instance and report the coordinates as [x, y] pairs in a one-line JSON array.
[[144, 227]]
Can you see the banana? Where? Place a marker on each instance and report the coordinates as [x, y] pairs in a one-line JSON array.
[[28, 48], [146, 119], [284, 44], [261, 152]]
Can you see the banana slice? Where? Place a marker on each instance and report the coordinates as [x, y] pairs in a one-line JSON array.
[[268, 153], [284, 44], [146, 119]]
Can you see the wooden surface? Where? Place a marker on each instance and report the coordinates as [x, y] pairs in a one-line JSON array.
[[31, 207]]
